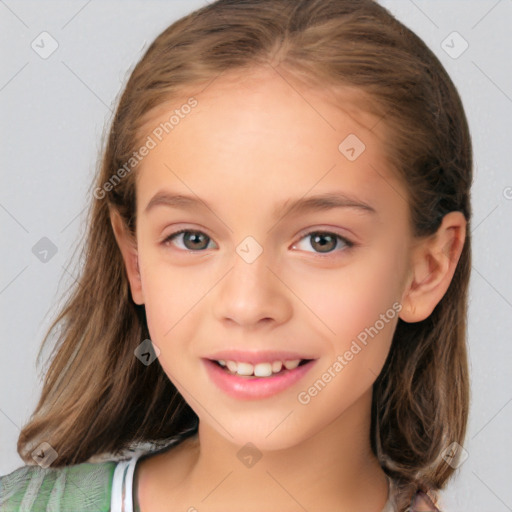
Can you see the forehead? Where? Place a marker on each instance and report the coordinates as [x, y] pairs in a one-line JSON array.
[[241, 95], [263, 132]]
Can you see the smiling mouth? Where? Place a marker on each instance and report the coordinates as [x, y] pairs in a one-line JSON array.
[[259, 370]]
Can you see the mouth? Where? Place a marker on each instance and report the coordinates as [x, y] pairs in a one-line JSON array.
[[258, 380], [259, 370]]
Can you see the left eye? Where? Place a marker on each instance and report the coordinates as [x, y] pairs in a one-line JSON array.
[[322, 241]]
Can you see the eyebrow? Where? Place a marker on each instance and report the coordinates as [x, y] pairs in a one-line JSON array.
[[325, 201]]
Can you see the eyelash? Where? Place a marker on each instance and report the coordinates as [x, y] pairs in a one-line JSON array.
[[349, 244]]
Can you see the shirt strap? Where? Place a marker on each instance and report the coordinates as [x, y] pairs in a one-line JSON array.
[[122, 484]]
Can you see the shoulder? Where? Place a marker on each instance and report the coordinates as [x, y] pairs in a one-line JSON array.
[[86, 487]]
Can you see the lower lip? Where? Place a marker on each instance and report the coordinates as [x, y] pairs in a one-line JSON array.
[[250, 388]]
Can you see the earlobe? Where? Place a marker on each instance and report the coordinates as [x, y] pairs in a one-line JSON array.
[[434, 261], [128, 248]]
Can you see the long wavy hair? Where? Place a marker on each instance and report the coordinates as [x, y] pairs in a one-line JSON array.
[[98, 398]]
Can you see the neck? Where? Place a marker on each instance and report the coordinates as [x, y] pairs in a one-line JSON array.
[[335, 467]]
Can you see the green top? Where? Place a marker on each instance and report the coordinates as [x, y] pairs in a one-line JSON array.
[[84, 487]]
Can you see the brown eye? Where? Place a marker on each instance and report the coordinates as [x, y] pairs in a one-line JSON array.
[[324, 242], [191, 240]]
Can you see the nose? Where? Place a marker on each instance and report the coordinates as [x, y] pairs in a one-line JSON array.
[[252, 294]]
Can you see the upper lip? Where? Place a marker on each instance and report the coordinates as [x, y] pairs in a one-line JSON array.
[[263, 356]]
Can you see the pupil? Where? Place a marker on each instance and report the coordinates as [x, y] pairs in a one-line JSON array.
[[323, 246], [194, 237]]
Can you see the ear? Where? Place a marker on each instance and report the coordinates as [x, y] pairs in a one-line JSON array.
[[128, 248], [434, 260]]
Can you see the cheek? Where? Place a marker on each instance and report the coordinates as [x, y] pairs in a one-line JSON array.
[[173, 305], [173, 298], [355, 303]]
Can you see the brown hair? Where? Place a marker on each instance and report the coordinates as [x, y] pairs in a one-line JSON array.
[[98, 398]]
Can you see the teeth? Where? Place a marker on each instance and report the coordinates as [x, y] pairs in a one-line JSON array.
[[245, 369], [276, 366], [291, 365], [259, 369], [232, 366]]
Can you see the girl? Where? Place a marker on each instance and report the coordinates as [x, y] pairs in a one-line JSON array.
[[271, 313]]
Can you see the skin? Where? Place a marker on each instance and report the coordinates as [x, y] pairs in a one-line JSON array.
[[252, 142]]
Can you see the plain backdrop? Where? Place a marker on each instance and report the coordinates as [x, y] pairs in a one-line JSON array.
[[54, 111]]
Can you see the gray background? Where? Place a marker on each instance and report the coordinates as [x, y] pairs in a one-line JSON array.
[[54, 112]]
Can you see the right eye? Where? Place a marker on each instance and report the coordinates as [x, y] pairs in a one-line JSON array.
[[192, 240]]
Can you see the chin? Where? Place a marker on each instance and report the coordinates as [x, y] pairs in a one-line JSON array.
[[267, 432]]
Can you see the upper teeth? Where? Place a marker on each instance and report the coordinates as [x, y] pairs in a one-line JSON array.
[[259, 369]]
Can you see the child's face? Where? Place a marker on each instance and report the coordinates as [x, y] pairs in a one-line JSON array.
[[246, 148]]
